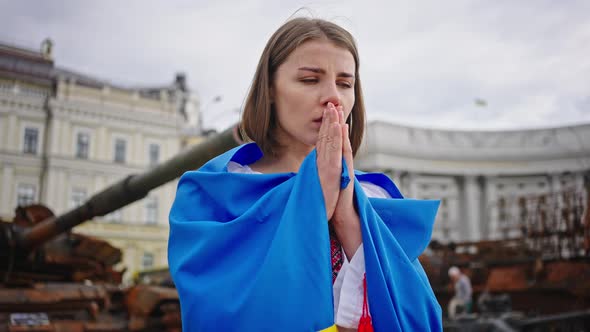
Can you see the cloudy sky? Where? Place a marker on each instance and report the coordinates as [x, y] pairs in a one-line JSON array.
[[423, 63]]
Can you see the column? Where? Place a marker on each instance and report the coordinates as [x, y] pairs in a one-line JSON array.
[[160, 257], [554, 183], [3, 140], [55, 136], [12, 138], [130, 258], [134, 212], [410, 186], [172, 148], [403, 184], [455, 205], [6, 202], [579, 182], [491, 208], [395, 177], [164, 204], [102, 146], [63, 192], [472, 197], [66, 139], [137, 151], [555, 194], [48, 195]]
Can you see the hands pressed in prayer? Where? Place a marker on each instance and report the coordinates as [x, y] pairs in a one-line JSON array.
[[332, 146], [329, 157]]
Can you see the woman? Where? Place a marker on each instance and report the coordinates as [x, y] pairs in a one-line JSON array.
[[260, 233]]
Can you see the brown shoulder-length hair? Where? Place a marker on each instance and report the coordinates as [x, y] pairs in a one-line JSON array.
[[258, 118]]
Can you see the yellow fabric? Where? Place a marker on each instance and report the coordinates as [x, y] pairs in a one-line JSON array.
[[332, 328]]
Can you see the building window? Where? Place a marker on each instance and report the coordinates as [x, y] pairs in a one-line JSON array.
[[115, 216], [120, 150], [31, 140], [82, 143], [78, 197], [25, 194], [147, 261], [154, 154], [151, 210]]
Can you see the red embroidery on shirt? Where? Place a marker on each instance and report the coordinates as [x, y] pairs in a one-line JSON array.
[[336, 254]]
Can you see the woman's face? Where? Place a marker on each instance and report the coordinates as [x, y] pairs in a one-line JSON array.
[[316, 73]]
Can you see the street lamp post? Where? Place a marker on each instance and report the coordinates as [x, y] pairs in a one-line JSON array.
[[216, 99]]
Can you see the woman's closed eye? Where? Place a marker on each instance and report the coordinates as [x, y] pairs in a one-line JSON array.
[[344, 84], [309, 80]]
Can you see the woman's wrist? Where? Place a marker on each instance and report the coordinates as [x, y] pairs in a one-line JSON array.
[[348, 231]]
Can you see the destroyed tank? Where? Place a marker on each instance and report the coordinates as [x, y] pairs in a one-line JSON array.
[[54, 280], [536, 280]]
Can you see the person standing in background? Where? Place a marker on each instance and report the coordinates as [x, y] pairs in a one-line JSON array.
[[461, 302]]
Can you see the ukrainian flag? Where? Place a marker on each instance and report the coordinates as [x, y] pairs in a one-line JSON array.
[[251, 252]]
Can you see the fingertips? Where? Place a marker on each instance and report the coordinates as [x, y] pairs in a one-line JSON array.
[[340, 111], [334, 115]]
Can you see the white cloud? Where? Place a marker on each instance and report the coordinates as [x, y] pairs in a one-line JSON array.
[[422, 64]]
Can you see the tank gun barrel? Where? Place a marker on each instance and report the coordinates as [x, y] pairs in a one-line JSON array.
[[130, 189]]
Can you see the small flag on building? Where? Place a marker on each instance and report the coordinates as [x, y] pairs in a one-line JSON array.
[[481, 102]]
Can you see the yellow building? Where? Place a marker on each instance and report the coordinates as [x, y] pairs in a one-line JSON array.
[[65, 136]]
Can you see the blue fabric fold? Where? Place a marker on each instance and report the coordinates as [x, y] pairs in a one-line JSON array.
[[344, 178], [252, 251]]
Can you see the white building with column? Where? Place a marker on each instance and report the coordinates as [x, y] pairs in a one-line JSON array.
[[474, 172], [65, 136]]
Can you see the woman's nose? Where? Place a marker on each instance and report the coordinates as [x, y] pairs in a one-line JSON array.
[[331, 95]]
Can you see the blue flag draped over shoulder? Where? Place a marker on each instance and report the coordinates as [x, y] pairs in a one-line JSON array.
[[251, 252]]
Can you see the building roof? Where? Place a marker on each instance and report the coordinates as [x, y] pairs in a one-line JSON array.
[[26, 64], [389, 145], [23, 53]]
